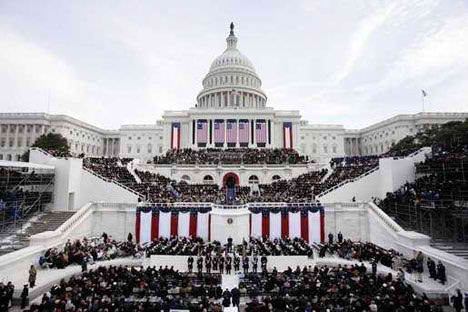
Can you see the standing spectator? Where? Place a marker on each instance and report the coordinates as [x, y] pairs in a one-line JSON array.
[[374, 268], [420, 265], [226, 297], [431, 266], [245, 265], [24, 297], [340, 237], [457, 301], [441, 273], [32, 276], [235, 297], [105, 237], [330, 238], [190, 264], [130, 237]]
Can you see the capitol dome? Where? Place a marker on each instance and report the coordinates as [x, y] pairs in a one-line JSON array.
[[232, 81]]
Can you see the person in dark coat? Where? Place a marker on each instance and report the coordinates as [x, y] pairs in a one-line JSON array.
[[105, 237], [84, 265], [235, 297], [374, 268], [208, 264], [441, 273], [457, 301], [190, 264], [255, 264], [340, 237], [24, 297], [263, 261], [221, 265], [130, 237], [200, 264], [330, 238], [431, 266], [228, 265], [245, 265], [226, 298], [236, 264]]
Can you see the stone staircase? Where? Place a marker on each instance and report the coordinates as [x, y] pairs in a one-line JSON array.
[[456, 249], [16, 239]]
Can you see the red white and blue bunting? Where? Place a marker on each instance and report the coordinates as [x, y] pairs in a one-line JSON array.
[[306, 222]]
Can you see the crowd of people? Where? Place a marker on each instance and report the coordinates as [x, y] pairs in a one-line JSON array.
[[248, 156], [367, 251], [88, 251], [122, 288], [111, 168], [341, 288], [6, 295], [304, 188]]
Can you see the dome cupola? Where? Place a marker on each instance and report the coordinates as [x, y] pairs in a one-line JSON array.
[[232, 81]]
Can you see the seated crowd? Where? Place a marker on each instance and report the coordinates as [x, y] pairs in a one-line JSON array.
[[110, 168], [160, 189], [440, 182], [89, 251], [121, 288], [322, 288], [231, 156]]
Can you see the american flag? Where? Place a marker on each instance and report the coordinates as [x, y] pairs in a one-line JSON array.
[[219, 131], [231, 132], [202, 131], [260, 131], [243, 131]]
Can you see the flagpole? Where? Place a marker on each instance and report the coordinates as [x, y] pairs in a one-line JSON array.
[[422, 98]]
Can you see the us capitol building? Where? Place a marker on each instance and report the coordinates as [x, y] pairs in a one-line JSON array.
[[230, 112]]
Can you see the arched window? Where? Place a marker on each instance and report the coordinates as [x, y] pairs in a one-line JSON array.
[[208, 179], [185, 178], [276, 177], [253, 179]]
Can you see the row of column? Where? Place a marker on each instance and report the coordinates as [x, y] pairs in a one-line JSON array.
[[16, 137], [231, 99], [111, 147], [352, 147], [252, 142]]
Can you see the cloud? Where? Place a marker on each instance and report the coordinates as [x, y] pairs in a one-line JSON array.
[[361, 36], [35, 68]]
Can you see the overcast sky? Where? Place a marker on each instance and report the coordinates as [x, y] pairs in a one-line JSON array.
[[338, 62]]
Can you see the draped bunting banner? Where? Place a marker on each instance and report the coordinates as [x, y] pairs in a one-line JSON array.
[[287, 135], [155, 222], [175, 135], [305, 222]]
